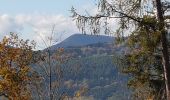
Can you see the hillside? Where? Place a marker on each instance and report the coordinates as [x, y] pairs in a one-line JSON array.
[[82, 40], [89, 65], [100, 75], [97, 74]]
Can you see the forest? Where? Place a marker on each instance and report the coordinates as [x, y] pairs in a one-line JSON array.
[[122, 52]]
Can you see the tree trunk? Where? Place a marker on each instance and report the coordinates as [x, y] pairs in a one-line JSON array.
[[164, 43]]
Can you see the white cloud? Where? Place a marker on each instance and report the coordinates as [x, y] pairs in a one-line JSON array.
[[37, 26], [8, 24]]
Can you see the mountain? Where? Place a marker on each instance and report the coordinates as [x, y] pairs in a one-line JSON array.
[[82, 40], [97, 76], [88, 65]]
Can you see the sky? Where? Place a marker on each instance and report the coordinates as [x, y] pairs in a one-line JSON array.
[[34, 19]]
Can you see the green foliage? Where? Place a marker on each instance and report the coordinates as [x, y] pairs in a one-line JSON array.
[[147, 41], [144, 59]]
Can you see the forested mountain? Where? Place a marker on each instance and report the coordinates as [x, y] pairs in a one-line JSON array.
[[82, 40], [94, 65], [90, 67]]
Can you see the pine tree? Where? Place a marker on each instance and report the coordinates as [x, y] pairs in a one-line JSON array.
[[147, 22]]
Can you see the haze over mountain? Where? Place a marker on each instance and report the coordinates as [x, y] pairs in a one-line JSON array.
[[90, 64], [82, 40]]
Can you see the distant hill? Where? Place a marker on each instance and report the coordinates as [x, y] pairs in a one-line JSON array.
[[91, 65], [97, 74], [82, 40]]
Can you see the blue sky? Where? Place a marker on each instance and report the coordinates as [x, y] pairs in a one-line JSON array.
[[43, 6], [34, 19]]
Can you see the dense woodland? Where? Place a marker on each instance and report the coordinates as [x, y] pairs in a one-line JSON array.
[[133, 67]]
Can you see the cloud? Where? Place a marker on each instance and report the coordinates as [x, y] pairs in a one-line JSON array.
[[8, 24], [37, 26]]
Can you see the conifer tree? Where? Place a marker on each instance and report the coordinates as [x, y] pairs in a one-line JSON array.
[[147, 22]]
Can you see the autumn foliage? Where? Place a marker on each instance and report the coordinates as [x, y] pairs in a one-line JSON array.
[[15, 58]]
